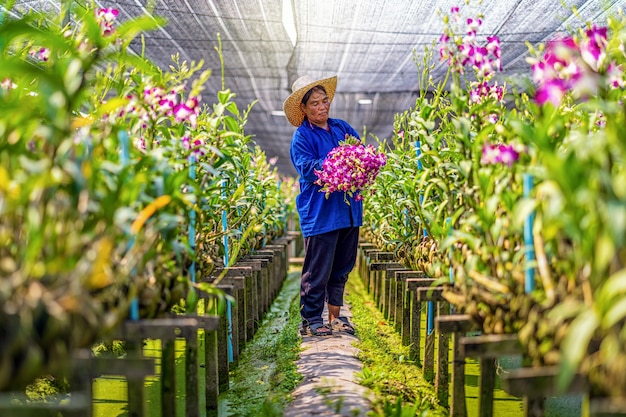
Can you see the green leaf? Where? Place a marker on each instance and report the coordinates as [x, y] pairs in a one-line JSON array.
[[72, 77], [617, 213], [34, 166], [614, 286], [131, 28], [138, 62], [565, 310], [231, 123], [224, 96], [523, 209], [191, 301], [615, 313], [239, 192], [232, 107], [575, 346], [604, 251], [112, 105]]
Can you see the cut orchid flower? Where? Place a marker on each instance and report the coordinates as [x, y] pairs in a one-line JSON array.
[[351, 167]]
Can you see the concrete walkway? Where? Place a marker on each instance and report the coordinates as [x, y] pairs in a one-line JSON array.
[[328, 365]]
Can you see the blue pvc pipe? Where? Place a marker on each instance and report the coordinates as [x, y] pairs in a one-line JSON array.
[[229, 311], [529, 283], [418, 152], [134, 303], [122, 136], [430, 318], [225, 226], [192, 221], [430, 313]]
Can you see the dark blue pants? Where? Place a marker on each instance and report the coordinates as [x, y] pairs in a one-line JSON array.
[[328, 259]]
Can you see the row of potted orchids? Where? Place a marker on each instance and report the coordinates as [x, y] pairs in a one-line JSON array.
[[121, 186], [513, 195]]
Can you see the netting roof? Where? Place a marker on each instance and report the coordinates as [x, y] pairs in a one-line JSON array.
[[371, 46]]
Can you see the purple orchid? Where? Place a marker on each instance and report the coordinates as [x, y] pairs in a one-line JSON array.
[[499, 154], [459, 51], [350, 168], [106, 18], [577, 66]]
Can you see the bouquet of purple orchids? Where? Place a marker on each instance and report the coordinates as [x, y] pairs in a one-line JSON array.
[[351, 167]]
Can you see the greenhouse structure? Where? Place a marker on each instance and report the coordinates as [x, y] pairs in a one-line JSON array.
[[312, 208]]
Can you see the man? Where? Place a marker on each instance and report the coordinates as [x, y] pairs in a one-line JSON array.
[[330, 227]]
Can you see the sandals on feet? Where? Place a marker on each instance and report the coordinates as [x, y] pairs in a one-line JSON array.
[[316, 329], [341, 324]]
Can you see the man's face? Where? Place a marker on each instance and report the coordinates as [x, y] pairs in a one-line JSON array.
[[316, 109]]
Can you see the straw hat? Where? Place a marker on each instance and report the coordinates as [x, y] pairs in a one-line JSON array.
[[292, 109]]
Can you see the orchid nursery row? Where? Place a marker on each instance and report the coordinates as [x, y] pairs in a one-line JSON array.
[[120, 184], [513, 195]]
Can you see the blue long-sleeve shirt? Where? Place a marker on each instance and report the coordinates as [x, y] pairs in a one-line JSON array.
[[309, 147]]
